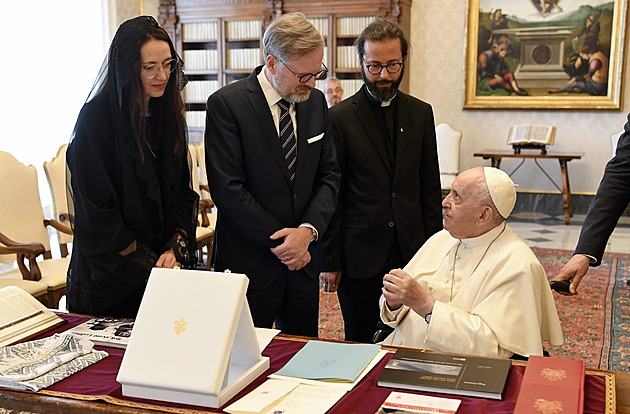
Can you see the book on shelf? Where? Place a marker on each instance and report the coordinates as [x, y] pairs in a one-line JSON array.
[[471, 376], [531, 135], [406, 403], [104, 331], [22, 316], [552, 385]]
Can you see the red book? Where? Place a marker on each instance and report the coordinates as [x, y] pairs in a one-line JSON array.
[[551, 385]]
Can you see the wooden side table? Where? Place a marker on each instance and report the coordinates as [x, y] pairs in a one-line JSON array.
[[495, 157]]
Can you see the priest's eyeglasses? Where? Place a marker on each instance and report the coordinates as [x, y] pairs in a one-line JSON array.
[[376, 69], [153, 69], [308, 76]]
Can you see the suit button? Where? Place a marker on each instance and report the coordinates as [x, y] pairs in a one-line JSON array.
[[393, 195], [295, 196], [390, 224]]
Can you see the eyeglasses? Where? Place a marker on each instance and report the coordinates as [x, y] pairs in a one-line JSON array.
[[376, 69], [152, 70], [308, 76]]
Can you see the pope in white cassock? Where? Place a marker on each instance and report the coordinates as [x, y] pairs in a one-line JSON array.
[[474, 287]]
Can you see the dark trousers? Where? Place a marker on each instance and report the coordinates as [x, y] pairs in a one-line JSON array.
[[291, 301], [358, 299]]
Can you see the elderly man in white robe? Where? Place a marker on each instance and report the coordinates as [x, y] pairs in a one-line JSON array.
[[474, 287]]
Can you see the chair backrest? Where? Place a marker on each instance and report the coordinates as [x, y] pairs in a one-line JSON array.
[[614, 138], [448, 148], [194, 161], [56, 175], [203, 173], [21, 213]]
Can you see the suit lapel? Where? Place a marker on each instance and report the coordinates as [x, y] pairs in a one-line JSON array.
[[265, 120], [363, 112]]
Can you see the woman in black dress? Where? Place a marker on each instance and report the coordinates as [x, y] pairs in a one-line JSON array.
[[128, 175]]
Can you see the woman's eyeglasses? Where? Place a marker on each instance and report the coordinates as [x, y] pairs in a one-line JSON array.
[[153, 69]]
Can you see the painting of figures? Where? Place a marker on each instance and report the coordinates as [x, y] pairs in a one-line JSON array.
[[556, 54]]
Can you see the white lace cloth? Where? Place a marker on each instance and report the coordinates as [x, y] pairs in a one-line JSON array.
[[35, 365]]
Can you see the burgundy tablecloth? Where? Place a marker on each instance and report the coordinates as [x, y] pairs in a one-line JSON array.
[[99, 382]]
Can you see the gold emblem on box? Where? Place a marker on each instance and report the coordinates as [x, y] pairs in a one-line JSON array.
[[548, 407], [553, 375], [180, 326]]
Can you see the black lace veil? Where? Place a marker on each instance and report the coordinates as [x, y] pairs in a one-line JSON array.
[[118, 81]]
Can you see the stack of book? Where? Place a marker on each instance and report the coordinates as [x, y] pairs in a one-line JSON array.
[[446, 373], [552, 385]]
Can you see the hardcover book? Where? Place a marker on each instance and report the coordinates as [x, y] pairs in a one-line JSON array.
[[552, 385], [103, 331], [22, 316], [470, 376]]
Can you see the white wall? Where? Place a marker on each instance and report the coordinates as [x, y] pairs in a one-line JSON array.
[[52, 52], [438, 38]]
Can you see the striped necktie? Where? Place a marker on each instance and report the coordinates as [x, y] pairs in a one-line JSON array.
[[287, 138]]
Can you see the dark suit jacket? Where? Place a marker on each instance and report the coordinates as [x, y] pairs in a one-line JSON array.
[[249, 182], [612, 198], [377, 199]]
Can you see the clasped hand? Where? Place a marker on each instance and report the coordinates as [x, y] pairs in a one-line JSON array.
[[168, 260], [399, 288], [293, 252]]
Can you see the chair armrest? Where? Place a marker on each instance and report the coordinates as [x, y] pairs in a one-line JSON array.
[[204, 187], [64, 228], [205, 206], [23, 251]]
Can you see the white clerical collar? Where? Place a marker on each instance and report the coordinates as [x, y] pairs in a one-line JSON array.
[[271, 95], [383, 103], [485, 238]]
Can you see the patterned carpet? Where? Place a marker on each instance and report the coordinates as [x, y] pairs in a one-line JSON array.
[[596, 323]]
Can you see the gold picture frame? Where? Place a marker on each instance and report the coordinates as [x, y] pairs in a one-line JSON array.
[[535, 51]]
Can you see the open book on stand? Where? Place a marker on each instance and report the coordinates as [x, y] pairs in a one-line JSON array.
[[471, 376], [22, 316], [104, 331], [531, 136]]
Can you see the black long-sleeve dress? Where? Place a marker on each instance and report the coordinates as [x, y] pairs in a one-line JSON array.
[[128, 209]]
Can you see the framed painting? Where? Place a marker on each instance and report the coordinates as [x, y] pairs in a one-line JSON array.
[[545, 54]]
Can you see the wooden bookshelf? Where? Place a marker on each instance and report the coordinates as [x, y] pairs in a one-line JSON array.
[[221, 40]]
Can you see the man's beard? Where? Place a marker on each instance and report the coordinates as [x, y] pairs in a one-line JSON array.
[[383, 94], [300, 94]]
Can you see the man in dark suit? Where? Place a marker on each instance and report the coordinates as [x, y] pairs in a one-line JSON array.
[[390, 198], [611, 200], [274, 177]]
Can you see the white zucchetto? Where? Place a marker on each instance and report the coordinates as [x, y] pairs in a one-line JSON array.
[[502, 190]]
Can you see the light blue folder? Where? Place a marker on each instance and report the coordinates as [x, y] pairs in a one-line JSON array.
[[329, 361]]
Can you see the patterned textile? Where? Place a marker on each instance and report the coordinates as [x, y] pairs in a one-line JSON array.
[[38, 364]]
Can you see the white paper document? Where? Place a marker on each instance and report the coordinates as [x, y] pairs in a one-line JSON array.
[[404, 402], [286, 397]]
